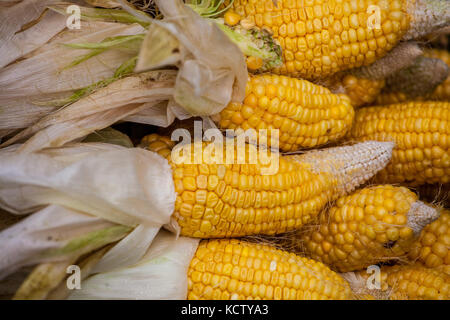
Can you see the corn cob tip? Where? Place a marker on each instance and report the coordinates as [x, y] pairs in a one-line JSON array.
[[431, 71], [420, 215], [351, 165], [428, 16]]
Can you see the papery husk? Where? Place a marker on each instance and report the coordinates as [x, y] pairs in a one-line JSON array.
[[86, 266], [212, 69], [110, 135], [99, 110], [18, 39], [127, 186], [42, 76], [103, 3], [51, 234], [160, 274]]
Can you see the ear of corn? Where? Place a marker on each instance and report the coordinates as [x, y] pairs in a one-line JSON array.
[[320, 38], [233, 269], [369, 226], [402, 282], [432, 248], [306, 115], [421, 133], [232, 200]]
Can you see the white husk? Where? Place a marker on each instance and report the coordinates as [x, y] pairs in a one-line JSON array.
[[128, 186], [102, 108], [16, 43], [26, 242], [160, 274], [212, 69], [42, 77], [44, 73]]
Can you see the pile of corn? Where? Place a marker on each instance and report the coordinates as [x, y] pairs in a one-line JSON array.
[[363, 172]]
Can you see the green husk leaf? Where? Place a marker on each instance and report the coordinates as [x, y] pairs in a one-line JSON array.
[[103, 3], [256, 43], [208, 8], [125, 69], [160, 274], [99, 14], [90, 241], [110, 135], [24, 28]]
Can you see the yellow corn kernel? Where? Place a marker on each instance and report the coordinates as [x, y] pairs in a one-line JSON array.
[[274, 274], [421, 132], [231, 18], [379, 231], [361, 91], [306, 115], [432, 248], [329, 36]]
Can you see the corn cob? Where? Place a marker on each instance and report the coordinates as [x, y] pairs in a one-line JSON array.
[[442, 92], [360, 90], [231, 200], [421, 133], [320, 38], [306, 115], [432, 248], [373, 224], [233, 269], [403, 282]]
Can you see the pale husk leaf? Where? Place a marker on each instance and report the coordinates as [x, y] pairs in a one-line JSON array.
[[42, 236], [128, 186], [103, 3], [44, 72], [102, 108], [212, 69], [18, 41], [160, 274]]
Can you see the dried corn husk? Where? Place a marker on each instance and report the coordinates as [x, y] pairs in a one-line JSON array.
[[101, 109], [160, 274], [110, 135], [212, 69], [53, 234], [128, 186], [26, 26]]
